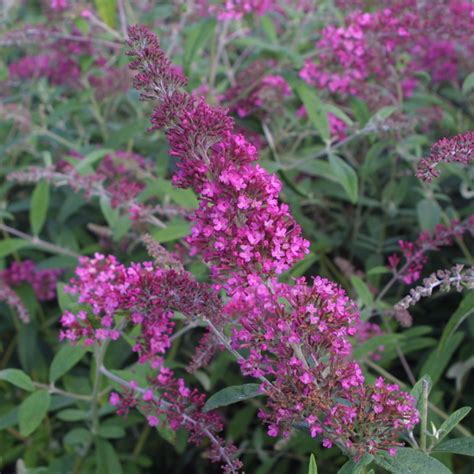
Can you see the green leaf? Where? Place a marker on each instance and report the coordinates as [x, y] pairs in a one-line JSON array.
[[457, 446], [315, 109], [411, 461], [363, 292], [107, 10], [197, 37], [67, 357], [111, 432], [378, 270], [184, 197], [417, 390], [313, 468], [346, 177], [384, 113], [86, 163], [451, 423], [106, 458], [429, 214], [9, 246], [371, 345], [173, 231], [468, 84], [464, 310], [78, 436], [233, 394], [67, 302], [111, 215], [339, 113], [438, 360], [39, 206], [353, 467], [269, 28], [32, 411], [72, 414], [17, 377]]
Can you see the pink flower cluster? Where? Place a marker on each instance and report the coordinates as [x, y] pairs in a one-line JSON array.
[[59, 59], [240, 228], [60, 65], [297, 336], [168, 398], [43, 281], [457, 149], [256, 92], [59, 5], [370, 45], [147, 295], [415, 252], [234, 9]]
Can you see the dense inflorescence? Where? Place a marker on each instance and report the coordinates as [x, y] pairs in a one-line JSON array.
[[240, 227], [256, 91], [457, 149], [60, 64], [119, 177], [239, 209], [43, 281], [415, 252], [374, 45], [297, 336]]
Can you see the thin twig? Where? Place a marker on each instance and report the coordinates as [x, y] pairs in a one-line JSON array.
[[36, 241]]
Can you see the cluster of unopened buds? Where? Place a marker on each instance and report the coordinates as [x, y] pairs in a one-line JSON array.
[[294, 338]]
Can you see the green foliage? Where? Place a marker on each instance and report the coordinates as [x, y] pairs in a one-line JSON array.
[[18, 378], [411, 461], [230, 395], [32, 411], [64, 360], [313, 468]]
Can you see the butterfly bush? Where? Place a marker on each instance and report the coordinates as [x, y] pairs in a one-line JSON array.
[[295, 338]]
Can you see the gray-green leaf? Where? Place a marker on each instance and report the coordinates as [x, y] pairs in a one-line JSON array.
[[32, 411], [9, 246], [464, 310], [230, 395], [346, 176], [39, 206], [315, 109], [411, 461], [457, 446], [67, 357], [453, 420], [17, 377]]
